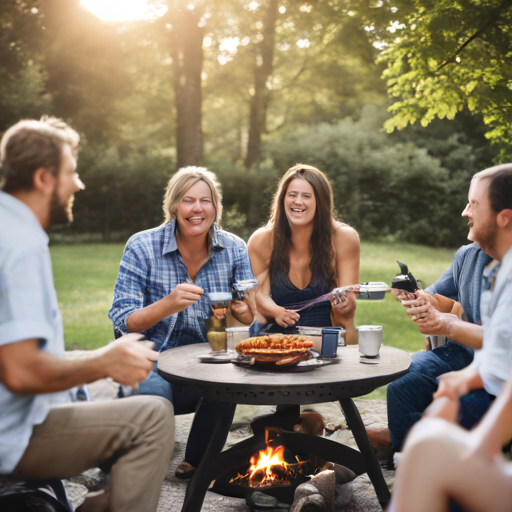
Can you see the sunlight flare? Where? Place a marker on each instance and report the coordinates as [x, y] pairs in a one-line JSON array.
[[123, 10]]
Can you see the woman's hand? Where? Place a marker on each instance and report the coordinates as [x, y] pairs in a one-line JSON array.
[[183, 296], [343, 304], [239, 307], [242, 311], [286, 317]]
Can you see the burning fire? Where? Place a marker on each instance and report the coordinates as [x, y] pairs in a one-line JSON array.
[[268, 467]]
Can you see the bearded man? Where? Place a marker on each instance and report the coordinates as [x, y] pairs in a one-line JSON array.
[[42, 434], [489, 213]]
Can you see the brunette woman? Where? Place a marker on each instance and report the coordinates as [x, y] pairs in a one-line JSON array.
[[303, 253]]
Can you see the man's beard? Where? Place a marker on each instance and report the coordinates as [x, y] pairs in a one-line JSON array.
[[60, 213], [486, 238]]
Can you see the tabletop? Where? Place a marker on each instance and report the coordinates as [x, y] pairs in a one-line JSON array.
[[346, 378]]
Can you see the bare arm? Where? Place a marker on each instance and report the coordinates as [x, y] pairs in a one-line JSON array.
[[179, 299], [25, 369], [347, 260], [260, 250], [457, 384], [245, 311]]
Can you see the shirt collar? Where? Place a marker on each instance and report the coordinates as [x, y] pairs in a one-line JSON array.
[[508, 255], [171, 244], [23, 212]]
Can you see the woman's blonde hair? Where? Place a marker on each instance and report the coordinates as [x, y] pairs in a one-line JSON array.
[[180, 182]]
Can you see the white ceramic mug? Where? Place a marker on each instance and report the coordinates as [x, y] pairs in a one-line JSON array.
[[370, 339]]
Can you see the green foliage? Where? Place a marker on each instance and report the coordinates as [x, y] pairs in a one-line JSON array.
[[234, 221], [24, 95], [22, 88], [449, 55], [251, 192], [122, 195], [113, 82]]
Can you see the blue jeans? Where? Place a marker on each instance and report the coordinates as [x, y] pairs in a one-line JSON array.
[[208, 412], [409, 396]]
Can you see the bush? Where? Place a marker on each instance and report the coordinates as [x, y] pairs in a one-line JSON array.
[[122, 195]]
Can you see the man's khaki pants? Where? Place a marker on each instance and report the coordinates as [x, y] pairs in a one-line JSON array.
[[133, 437]]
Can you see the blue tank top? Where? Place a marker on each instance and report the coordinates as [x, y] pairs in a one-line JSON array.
[[285, 294]]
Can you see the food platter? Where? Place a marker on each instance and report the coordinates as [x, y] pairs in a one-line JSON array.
[[276, 349], [279, 352], [310, 364]]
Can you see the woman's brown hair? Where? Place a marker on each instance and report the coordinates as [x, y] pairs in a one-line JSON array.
[[323, 251]]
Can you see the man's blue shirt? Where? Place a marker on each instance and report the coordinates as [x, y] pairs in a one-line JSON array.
[[462, 280], [152, 267]]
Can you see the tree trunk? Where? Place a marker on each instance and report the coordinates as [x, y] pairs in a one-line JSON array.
[[262, 70], [186, 46]]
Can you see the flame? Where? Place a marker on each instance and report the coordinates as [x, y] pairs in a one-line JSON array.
[[267, 459]]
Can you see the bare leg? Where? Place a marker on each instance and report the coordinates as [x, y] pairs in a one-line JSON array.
[[439, 462]]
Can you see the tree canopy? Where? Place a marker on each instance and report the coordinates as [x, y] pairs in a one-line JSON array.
[[251, 87], [446, 55]]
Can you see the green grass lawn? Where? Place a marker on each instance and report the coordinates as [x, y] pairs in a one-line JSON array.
[[85, 275]]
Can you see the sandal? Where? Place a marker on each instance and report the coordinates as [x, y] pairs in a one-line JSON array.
[[184, 471]]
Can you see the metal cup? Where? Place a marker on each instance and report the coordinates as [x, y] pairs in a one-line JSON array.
[[370, 339]]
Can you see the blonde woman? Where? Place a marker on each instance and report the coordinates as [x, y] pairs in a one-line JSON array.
[[163, 280]]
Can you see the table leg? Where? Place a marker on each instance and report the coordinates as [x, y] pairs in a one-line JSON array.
[[203, 476], [363, 442]]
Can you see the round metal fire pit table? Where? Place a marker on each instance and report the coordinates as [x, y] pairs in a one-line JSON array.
[[347, 378]]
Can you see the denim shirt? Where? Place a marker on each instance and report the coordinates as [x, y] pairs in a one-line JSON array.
[[462, 280], [152, 267]]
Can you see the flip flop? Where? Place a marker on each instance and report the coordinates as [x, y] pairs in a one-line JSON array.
[[184, 471]]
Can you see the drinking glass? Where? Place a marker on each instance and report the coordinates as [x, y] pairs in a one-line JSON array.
[[216, 335]]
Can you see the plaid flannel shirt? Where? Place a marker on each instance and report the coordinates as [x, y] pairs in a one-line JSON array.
[[151, 268]]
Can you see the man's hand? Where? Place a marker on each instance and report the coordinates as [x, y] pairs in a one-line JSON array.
[[127, 361], [428, 319], [286, 317], [454, 385], [436, 323], [184, 295], [423, 310], [401, 295]]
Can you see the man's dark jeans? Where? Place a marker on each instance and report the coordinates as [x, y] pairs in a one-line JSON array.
[[409, 396]]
